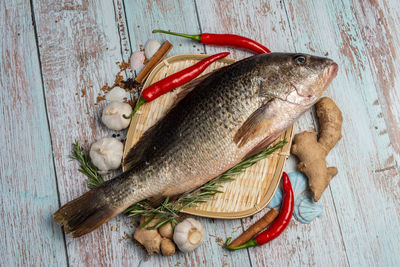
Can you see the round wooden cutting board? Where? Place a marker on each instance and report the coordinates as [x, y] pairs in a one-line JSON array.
[[250, 191]]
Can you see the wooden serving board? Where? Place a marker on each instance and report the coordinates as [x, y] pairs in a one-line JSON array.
[[249, 192]]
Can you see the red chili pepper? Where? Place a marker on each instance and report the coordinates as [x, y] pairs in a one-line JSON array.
[[223, 40], [175, 80], [277, 226]]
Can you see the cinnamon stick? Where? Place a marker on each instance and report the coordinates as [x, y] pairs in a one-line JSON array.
[[257, 227], [158, 56]]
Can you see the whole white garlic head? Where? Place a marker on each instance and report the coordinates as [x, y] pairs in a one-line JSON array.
[[188, 234], [106, 154], [113, 115], [151, 48]]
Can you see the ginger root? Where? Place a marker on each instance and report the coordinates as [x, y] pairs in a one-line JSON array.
[[166, 231], [157, 240], [150, 239], [312, 153], [167, 247]]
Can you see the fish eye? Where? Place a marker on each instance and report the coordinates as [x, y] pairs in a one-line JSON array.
[[300, 59]]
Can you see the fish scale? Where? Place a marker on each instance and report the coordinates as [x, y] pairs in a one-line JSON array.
[[231, 114]]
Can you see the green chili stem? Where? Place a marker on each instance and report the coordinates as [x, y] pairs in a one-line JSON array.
[[195, 37], [139, 103], [250, 243]]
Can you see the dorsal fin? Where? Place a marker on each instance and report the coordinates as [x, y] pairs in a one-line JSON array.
[[188, 87], [135, 154]]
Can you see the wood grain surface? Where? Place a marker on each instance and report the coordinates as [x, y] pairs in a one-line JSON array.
[[55, 57], [28, 190]]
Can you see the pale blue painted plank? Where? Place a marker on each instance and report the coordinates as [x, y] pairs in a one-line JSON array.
[[145, 16], [319, 243], [28, 187], [379, 23], [366, 198], [79, 46]]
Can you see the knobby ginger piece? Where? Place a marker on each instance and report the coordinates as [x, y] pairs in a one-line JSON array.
[[312, 152]]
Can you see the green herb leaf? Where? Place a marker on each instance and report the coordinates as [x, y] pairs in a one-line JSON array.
[[86, 167]]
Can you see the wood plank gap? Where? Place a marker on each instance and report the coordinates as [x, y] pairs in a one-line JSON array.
[[295, 49], [199, 22], [283, 3], [119, 31], [127, 26], [47, 119], [247, 249], [124, 21], [340, 228], [316, 125]]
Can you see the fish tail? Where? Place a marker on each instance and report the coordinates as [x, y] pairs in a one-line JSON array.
[[87, 212]]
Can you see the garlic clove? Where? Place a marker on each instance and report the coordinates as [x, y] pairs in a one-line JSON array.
[[137, 60], [102, 151], [112, 111], [151, 48], [117, 94]]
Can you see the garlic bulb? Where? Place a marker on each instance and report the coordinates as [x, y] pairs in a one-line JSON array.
[[188, 234], [151, 48], [106, 154], [113, 115], [117, 94], [137, 60]]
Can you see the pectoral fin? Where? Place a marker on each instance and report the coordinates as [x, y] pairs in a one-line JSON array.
[[255, 126]]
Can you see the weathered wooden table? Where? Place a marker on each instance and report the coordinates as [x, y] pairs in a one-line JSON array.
[[56, 56]]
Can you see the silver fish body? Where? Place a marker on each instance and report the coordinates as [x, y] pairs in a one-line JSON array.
[[233, 113]]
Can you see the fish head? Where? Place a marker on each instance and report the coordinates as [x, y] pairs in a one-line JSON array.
[[296, 78]]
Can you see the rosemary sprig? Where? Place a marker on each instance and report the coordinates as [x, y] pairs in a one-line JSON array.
[[86, 167], [168, 211]]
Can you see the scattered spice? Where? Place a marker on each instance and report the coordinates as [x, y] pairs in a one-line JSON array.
[[220, 241], [126, 236], [83, 91], [118, 81], [130, 84], [100, 98]]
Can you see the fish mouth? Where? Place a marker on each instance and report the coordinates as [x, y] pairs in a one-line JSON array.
[[330, 73]]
